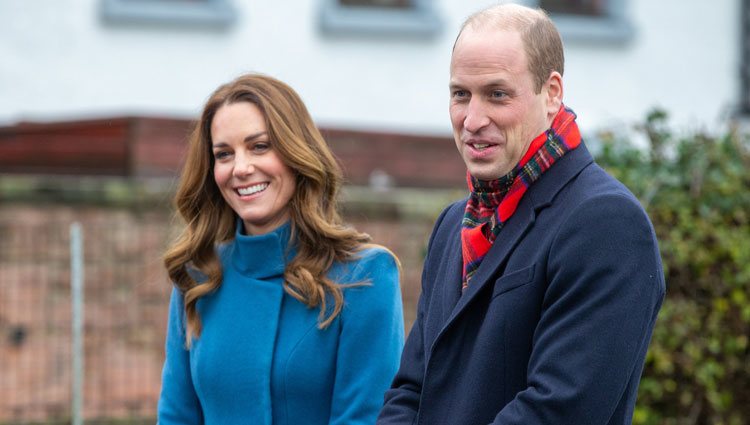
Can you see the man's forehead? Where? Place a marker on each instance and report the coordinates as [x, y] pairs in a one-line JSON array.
[[478, 51], [490, 41]]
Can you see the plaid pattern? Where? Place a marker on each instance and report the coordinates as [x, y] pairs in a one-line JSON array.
[[492, 203]]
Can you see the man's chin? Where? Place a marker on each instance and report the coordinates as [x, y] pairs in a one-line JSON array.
[[485, 171], [486, 176]]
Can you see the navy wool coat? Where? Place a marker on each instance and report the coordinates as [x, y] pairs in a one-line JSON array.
[[555, 324]]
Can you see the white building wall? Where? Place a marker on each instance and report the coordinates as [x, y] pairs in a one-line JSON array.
[[59, 60], [685, 58]]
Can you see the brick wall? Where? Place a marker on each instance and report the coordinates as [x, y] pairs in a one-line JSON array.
[[155, 147], [126, 296], [59, 170]]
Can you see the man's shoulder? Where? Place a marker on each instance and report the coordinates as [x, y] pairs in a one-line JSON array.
[[594, 182], [597, 196], [456, 208], [447, 224], [451, 215]]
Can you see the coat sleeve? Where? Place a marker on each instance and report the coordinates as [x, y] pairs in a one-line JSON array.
[[370, 341], [402, 399], [178, 402], [605, 287]]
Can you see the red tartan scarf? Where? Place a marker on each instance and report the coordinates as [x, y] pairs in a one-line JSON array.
[[492, 203]]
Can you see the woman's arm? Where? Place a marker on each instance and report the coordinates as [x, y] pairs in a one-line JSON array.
[[178, 402], [371, 339]]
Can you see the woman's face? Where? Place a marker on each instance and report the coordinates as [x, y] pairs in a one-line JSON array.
[[249, 172]]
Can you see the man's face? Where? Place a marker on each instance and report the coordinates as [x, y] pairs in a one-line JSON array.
[[494, 109]]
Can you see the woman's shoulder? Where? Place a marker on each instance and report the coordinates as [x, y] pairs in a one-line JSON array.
[[373, 264], [374, 258], [371, 283], [374, 252]]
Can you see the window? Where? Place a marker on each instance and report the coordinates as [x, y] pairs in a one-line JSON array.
[[398, 4], [590, 20], [386, 17], [575, 7], [213, 13]]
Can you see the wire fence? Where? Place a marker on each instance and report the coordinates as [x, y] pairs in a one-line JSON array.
[[125, 301], [125, 293]]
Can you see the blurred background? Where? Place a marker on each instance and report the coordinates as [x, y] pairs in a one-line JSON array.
[[97, 98]]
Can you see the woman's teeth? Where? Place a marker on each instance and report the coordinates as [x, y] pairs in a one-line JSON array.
[[244, 191]]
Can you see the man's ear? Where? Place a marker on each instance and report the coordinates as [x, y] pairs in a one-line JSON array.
[[553, 89]]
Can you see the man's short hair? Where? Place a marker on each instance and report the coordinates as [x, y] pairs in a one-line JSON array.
[[540, 37]]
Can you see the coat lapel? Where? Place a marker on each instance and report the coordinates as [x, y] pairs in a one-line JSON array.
[[453, 271], [506, 240], [539, 195]]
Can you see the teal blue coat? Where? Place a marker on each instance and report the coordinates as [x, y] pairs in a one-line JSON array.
[[261, 359]]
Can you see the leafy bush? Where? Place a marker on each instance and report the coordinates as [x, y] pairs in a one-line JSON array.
[[696, 189]]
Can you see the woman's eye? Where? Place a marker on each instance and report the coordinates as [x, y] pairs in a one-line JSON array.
[[221, 154], [261, 147]]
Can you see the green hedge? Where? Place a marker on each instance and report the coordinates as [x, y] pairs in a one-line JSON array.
[[696, 189]]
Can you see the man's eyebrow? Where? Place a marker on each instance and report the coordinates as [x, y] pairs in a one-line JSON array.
[[492, 83], [495, 83]]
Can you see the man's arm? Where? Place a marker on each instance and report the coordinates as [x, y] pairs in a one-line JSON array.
[[402, 399], [605, 287]]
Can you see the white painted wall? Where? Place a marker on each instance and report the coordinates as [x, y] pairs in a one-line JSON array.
[[58, 60]]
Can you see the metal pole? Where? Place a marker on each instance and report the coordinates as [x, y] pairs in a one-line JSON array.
[[76, 288]]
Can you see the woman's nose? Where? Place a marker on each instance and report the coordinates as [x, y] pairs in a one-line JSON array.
[[243, 165]]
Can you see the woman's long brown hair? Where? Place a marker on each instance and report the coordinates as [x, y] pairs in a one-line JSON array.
[[317, 228]]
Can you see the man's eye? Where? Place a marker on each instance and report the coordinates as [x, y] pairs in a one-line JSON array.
[[497, 94], [459, 93]]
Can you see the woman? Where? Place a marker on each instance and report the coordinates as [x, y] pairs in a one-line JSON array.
[[280, 313]]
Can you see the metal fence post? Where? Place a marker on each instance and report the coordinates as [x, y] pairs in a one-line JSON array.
[[76, 287]]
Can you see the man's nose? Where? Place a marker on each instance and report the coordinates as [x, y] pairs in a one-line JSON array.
[[476, 116]]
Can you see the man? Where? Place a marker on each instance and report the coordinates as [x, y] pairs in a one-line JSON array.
[[539, 291]]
